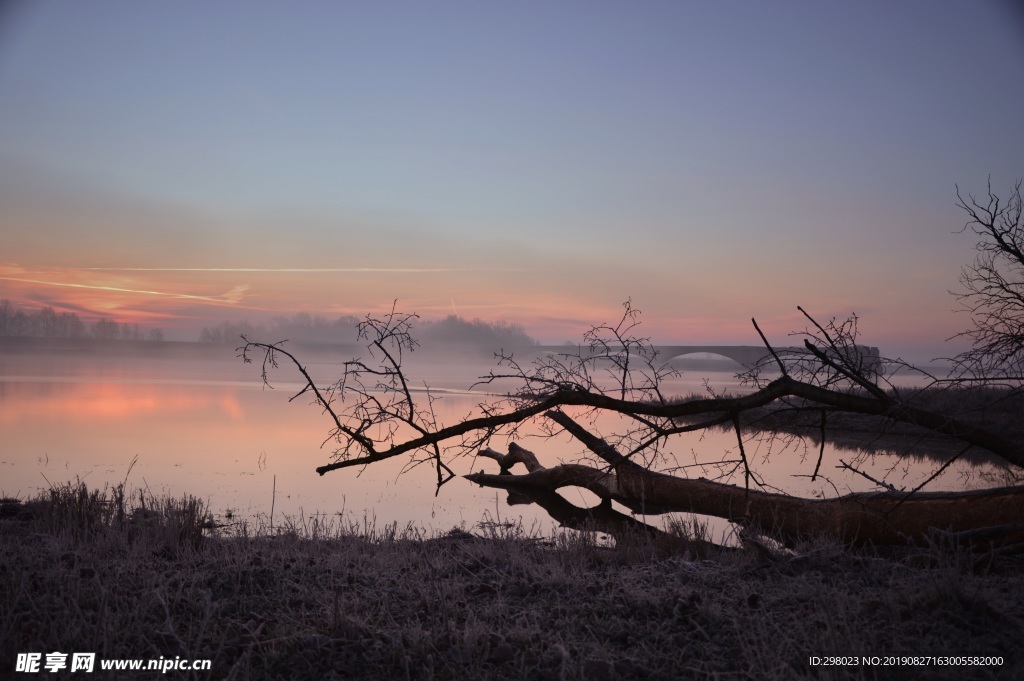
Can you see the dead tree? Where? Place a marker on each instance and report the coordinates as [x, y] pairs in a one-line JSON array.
[[377, 416], [993, 288]]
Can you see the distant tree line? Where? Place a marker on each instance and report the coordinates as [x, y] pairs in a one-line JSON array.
[[304, 327], [454, 330], [48, 323]]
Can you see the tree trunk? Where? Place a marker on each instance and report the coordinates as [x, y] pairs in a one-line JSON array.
[[882, 519]]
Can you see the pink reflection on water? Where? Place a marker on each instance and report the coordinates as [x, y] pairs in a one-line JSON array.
[[209, 429], [115, 402]]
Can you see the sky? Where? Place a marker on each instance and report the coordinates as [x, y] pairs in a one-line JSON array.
[[180, 164]]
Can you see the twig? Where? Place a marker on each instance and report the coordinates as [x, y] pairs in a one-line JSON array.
[[880, 483], [821, 447], [782, 367]]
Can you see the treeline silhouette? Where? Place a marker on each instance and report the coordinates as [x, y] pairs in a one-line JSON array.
[[489, 336], [303, 327], [48, 323]]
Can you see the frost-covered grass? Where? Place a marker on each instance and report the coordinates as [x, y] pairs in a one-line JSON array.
[[128, 576]]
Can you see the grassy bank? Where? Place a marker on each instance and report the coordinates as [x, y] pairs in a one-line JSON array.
[[128, 576]]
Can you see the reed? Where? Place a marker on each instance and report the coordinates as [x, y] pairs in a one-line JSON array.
[[129, 575]]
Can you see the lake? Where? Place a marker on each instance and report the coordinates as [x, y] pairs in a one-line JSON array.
[[206, 426]]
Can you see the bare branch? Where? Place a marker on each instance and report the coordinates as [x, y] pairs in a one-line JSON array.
[[377, 415], [782, 367], [993, 287]]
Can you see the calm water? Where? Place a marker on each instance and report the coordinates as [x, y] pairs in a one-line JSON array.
[[207, 427]]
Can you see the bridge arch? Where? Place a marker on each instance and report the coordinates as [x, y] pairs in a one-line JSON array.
[[746, 355], [742, 359], [721, 357]]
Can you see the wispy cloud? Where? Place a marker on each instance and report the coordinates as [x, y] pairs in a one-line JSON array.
[[387, 270], [232, 297]]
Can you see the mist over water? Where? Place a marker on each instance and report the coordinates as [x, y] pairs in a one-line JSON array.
[[195, 419]]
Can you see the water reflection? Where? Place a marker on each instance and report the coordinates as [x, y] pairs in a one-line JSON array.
[[210, 429]]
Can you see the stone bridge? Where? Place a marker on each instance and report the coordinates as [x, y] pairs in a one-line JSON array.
[[746, 355]]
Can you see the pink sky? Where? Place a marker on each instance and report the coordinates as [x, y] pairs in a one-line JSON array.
[[505, 162]]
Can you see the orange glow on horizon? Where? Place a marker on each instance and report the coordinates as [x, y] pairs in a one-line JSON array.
[[134, 298], [183, 300]]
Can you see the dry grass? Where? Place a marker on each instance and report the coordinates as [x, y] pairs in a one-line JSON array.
[[133, 576], [76, 514]]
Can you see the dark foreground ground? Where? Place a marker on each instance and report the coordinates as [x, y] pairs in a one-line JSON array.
[[83, 572]]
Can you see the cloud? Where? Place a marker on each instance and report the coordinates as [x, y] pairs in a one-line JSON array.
[[232, 297], [387, 270]]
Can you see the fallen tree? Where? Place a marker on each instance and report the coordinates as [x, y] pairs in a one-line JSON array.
[[878, 518], [377, 416]]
